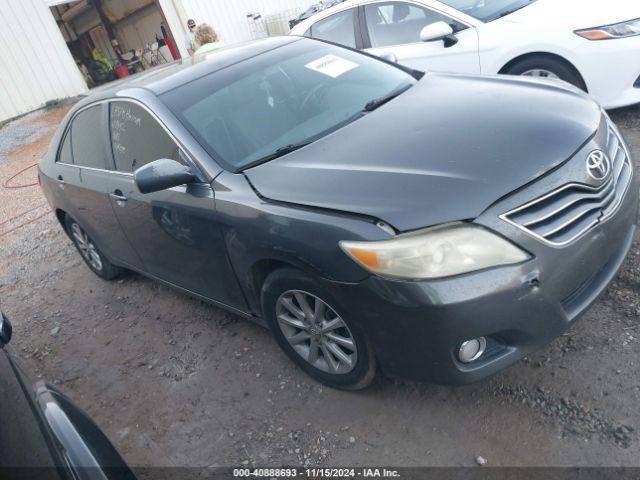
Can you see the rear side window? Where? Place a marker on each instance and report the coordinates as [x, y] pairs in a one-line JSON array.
[[87, 139], [338, 28], [64, 156], [137, 138]]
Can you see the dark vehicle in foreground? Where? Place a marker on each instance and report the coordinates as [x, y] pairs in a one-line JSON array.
[[432, 226], [43, 434]]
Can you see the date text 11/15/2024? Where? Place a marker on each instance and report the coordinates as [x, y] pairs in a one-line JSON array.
[[316, 473]]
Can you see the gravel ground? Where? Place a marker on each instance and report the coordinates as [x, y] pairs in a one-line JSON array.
[[22, 143], [22, 131], [174, 381]]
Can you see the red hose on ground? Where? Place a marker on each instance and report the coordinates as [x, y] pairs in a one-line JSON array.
[[25, 223], [6, 183], [22, 214]]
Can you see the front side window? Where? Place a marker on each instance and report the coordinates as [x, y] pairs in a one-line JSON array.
[[87, 138], [249, 112], [488, 10], [137, 138], [398, 23], [338, 28]]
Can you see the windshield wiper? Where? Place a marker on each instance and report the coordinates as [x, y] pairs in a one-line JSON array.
[[369, 107], [282, 151], [378, 102], [508, 12], [513, 10]]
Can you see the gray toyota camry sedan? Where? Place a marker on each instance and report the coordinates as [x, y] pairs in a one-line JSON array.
[[377, 219]]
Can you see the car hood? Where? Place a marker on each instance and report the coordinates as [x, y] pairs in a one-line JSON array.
[[445, 150], [576, 14]]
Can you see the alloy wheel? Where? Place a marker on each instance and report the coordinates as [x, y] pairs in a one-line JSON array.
[[316, 332], [540, 73], [86, 247]]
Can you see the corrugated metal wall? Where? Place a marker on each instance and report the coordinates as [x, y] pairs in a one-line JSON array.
[[229, 17], [35, 63]]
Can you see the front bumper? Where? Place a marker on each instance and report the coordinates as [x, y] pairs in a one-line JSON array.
[[416, 328], [610, 69]]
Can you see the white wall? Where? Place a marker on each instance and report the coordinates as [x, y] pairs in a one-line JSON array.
[[228, 17], [135, 31], [35, 63]]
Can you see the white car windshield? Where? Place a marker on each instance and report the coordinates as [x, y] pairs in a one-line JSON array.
[[488, 10]]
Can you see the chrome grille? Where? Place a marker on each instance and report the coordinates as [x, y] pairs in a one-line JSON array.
[[562, 216]]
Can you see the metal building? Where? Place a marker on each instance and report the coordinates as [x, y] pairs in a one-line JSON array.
[[48, 47], [35, 63]]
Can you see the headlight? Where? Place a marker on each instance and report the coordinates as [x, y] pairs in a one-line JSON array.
[[435, 252], [619, 30]]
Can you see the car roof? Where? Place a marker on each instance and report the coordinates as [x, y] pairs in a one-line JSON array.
[[167, 77]]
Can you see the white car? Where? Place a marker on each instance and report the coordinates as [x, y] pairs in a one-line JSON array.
[[593, 44]]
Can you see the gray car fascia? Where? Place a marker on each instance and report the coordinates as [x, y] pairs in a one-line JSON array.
[[237, 198]]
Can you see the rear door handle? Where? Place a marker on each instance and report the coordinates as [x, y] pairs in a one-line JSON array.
[[118, 197], [60, 181]]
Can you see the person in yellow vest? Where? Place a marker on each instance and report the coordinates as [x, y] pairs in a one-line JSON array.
[[206, 39]]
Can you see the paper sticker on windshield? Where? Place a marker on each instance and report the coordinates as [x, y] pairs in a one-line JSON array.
[[332, 65]]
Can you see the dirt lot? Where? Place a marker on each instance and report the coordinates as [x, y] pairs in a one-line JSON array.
[[174, 381]]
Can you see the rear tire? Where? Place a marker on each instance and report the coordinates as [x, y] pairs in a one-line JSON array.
[[92, 256], [314, 333], [541, 66]]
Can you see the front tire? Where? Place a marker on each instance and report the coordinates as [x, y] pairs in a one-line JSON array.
[[540, 66], [92, 256], [307, 325]]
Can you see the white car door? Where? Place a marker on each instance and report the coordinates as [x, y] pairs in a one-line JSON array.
[[394, 27]]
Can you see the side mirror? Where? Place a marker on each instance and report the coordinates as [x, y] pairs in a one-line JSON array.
[[5, 330], [436, 31], [162, 174], [389, 57]]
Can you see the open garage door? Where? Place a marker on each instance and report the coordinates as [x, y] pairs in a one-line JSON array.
[[112, 39]]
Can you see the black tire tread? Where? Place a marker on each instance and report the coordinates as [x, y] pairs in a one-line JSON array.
[[561, 68]]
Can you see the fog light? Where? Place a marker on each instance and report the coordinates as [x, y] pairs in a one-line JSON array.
[[472, 349]]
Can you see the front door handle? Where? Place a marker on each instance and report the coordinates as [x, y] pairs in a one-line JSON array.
[[118, 197]]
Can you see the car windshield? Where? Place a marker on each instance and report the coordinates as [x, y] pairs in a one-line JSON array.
[[271, 104], [488, 10]]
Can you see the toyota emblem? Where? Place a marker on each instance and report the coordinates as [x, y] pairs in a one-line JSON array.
[[598, 165]]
